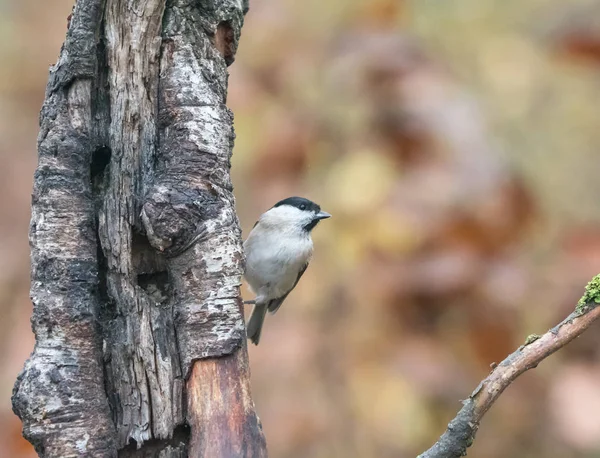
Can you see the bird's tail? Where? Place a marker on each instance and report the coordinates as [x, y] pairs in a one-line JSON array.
[[255, 323]]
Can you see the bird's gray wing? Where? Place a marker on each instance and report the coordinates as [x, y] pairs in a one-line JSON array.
[[274, 304]]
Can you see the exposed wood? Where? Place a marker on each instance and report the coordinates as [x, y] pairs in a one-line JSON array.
[[225, 425], [144, 375]]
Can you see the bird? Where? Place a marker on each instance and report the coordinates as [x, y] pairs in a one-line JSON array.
[[278, 251]]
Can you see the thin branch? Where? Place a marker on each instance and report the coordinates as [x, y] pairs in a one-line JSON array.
[[461, 430]]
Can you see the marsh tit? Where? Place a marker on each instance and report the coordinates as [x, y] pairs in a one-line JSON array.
[[278, 251]]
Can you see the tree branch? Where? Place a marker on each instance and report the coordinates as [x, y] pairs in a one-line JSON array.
[[461, 430]]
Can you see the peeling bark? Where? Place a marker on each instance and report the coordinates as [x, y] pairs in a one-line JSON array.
[[136, 247]]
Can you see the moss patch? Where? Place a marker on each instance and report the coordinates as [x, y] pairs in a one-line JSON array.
[[531, 338], [591, 295]]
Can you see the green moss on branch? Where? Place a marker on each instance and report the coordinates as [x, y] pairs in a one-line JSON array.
[[591, 297]]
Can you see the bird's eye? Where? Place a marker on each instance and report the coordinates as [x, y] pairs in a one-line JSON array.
[[302, 207]]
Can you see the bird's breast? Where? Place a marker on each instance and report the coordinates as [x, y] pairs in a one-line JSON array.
[[273, 261]]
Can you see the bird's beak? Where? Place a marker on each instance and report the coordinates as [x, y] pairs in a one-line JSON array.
[[322, 215]]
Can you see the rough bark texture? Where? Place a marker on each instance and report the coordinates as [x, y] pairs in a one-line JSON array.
[[136, 247]]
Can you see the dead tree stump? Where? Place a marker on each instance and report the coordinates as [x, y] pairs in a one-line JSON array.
[[136, 247]]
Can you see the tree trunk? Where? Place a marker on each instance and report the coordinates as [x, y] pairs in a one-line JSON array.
[[136, 247]]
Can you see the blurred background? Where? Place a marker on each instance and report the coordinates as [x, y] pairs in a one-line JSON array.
[[457, 146]]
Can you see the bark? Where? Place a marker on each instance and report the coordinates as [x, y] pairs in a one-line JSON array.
[[136, 247]]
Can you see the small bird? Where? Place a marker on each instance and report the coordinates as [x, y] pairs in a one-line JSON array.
[[278, 251]]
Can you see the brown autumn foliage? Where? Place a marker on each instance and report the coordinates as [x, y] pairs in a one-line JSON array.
[[455, 144]]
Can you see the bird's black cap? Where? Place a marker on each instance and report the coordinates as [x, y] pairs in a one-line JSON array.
[[299, 202]]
